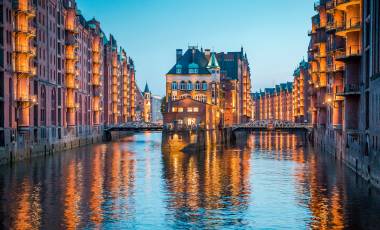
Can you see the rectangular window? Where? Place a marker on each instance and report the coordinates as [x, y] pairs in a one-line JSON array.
[[174, 109], [180, 109], [190, 109], [196, 109]]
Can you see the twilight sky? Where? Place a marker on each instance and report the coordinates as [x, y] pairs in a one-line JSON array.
[[272, 32]]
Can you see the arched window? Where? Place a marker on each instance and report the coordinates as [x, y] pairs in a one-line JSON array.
[[204, 85], [43, 105], [53, 107], [183, 85], [197, 85], [174, 85], [189, 85]]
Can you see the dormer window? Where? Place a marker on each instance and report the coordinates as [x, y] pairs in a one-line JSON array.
[[178, 69], [193, 68]]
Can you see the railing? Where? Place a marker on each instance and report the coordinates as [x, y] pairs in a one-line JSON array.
[[351, 51], [25, 69], [351, 88], [271, 124], [25, 49], [339, 2], [353, 23], [24, 7], [25, 29]]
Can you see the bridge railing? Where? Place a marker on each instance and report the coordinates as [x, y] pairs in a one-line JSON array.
[[135, 125], [272, 124]]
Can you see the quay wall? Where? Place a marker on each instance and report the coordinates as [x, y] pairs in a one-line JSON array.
[[351, 151], [18, 152]]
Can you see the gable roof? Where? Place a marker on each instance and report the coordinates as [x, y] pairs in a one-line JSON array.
[[146, 90], [213, 63], [191, 56]]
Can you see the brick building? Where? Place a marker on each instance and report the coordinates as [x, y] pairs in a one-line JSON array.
[[59, 77], [208, 89], [274, 103], [344, 90]]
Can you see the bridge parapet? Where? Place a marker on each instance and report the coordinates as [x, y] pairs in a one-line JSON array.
[[272, 124], [134, 126]]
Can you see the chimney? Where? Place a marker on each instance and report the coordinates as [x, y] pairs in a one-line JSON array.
[[207, 53], [178, 54]]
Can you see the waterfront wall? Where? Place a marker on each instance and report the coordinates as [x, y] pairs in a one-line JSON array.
[[23, 151], [351, 151]]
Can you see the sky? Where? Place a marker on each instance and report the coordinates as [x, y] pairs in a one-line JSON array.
[[273, 33]]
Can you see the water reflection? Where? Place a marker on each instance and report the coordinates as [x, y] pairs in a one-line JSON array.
[[267, 180], [207, 188]]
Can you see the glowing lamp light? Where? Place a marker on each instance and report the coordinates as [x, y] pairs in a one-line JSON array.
[[77, 105], [33, 99]]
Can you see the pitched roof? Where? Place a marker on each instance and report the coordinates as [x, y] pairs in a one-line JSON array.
[[213, 63], [146, 90], [191, 57]]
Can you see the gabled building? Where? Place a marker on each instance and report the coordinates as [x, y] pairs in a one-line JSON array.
[[300, 93], [193, 92]]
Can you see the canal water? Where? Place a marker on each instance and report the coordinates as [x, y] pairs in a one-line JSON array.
[[268, 180]]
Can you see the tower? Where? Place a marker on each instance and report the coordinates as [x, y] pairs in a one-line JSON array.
[[147, 104]]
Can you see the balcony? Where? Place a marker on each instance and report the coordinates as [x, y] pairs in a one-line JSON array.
[[353, 51], [25, 70], [342, 4], [352, 25], [25, 49], [24, 7], [351, 89], [333, 68], [25, 29]]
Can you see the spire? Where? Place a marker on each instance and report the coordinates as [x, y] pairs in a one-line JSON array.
[[146, 90], [213, 63]]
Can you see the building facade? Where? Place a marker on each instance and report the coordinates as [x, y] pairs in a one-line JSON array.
[[236, 86], [274, 103], [207, 89], [193, 91], [156, 109], [344, 90], [300, 93], [59, 76]]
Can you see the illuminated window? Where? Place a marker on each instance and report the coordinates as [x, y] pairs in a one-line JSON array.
[[190, 109], [180, 109], [196, 109], [203, 99], [174, 109], [174, 85]]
